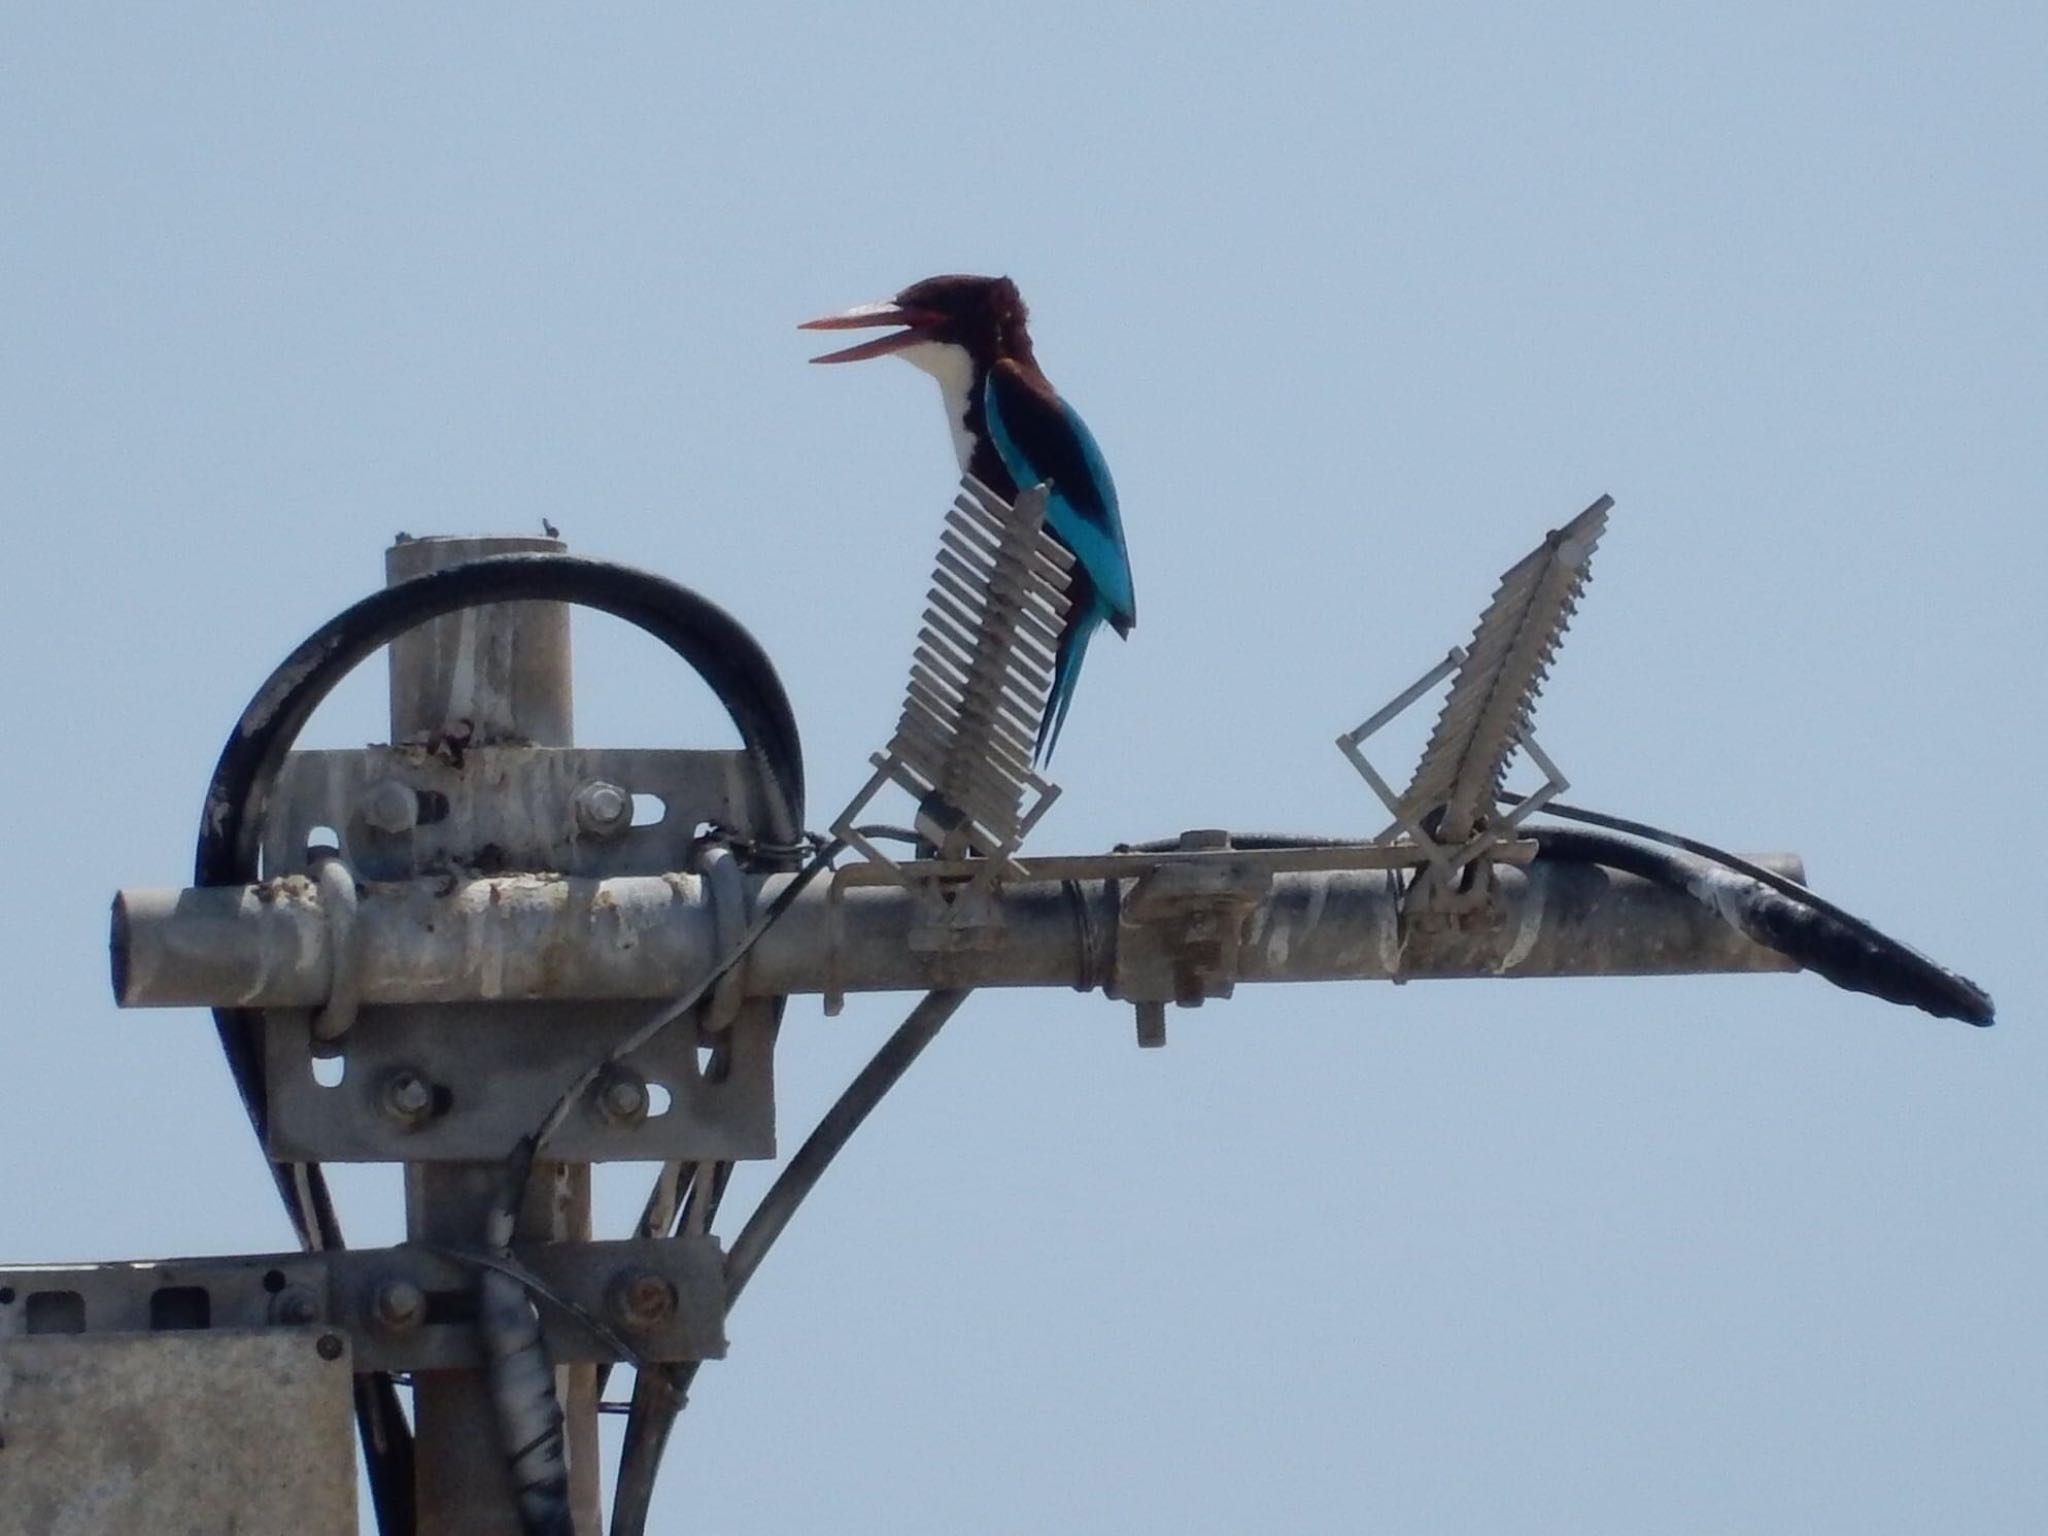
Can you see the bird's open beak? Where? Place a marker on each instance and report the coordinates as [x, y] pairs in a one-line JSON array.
[[916, 322]]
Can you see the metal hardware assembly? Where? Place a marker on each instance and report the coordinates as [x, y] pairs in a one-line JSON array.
[[1448, 809]]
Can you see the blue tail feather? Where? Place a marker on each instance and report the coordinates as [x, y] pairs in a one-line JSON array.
[[1066, 673]]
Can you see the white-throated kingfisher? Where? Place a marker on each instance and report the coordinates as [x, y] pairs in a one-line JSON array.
[[1011, 431]]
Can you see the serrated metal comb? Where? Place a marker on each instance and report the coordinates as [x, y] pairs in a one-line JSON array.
[[979, 678], [1487, 713], [984, 660], [1448, 807]]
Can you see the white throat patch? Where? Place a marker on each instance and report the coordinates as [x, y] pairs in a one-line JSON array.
[[951, 365]]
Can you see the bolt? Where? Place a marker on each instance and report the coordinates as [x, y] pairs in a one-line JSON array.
[[408, 1098], [295, 1306], [329, 1346], [603, 809], [398, 1306], [640, 1300], [390, 806], [622, 1098], [1151, 1025]]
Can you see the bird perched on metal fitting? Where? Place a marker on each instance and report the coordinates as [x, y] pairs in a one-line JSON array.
[[1012, 431]]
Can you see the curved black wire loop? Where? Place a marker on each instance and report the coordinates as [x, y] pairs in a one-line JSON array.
[[713, 643]]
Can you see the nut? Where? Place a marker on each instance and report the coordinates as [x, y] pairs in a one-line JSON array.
[[295, 1306], [390, 806], [398, 1306], [603, 810], [640, 1300], [621, 1098], [408, 1098]]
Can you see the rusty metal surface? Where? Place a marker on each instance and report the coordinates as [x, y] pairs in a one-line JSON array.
[[1487, 712], [348, 1290], [151, 1434]]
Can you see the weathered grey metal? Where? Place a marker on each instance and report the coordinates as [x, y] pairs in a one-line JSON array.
[[145, 1434], [492, 1072], [1182, 926], [258, 943], [485, 676], [526, 936], [1486, 714], [413, 810], [363, 1293], [979, 679], [490, 676]]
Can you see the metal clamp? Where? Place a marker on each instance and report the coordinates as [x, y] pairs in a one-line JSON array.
[[731, 913], [336, 884], [1180, 929]]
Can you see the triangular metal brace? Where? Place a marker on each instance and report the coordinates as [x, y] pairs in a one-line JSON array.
[[1450, 810], [950, 844], [1446, 859]]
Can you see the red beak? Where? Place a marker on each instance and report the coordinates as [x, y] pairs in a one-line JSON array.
[[916, 322]]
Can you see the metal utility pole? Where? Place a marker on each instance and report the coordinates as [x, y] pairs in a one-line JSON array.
[[497, 675], [464, 950]]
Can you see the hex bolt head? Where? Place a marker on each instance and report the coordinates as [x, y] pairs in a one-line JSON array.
[[640, 1300], [408, 1098], [390, 806], [295, 1306], [398, 1306], [621, 1097], [602, 809]]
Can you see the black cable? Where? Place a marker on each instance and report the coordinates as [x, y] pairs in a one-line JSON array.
[[675, 1009], [659, 1395], [1249, 840], [1784, 885], [1850, 953], [1825, 938], [237, 800], [1785, 916]]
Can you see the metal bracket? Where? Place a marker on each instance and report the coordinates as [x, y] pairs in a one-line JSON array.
[[570, 810], [462, 1082], [1180, 928], [1444, 883], [407, 1308], [1449, 810]]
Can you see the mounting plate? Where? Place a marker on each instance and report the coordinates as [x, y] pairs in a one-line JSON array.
[[490, 1071], [287, 1293]]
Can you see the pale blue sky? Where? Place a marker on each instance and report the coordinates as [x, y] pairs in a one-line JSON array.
[[1359, 300]]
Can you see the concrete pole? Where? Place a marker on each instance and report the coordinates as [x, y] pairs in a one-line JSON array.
[[492, 675]]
